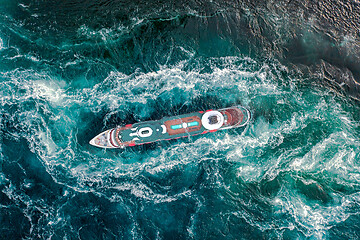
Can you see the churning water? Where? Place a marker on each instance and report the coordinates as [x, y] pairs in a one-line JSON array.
[[71, 70]]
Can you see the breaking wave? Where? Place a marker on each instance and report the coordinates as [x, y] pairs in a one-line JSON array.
[[292, 173]]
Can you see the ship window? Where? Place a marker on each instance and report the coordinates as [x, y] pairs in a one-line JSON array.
[[191, 124], [175, 127]]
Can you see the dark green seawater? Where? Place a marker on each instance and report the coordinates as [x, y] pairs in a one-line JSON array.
[[71, 69]]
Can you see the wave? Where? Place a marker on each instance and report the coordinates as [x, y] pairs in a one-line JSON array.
[[296, 131], [292, 173]]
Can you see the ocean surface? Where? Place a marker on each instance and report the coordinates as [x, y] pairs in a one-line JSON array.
[[71, 69]]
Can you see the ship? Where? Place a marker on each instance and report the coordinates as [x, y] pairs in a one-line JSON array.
[[174, 127]]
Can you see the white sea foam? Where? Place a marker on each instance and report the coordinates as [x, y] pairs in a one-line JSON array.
[[50, 91], [1, 44], [315, 219], [141, 87], [105, 34], [51, 127], [3, 179]]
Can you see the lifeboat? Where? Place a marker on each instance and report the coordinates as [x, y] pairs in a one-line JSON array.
[[174, 127]]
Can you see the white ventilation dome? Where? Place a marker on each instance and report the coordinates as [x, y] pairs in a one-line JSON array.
[[212, 120]]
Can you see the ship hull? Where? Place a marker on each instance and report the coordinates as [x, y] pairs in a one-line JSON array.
[[174, 127]]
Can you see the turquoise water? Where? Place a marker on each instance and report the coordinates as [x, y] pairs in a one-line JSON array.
[[71, 70]]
